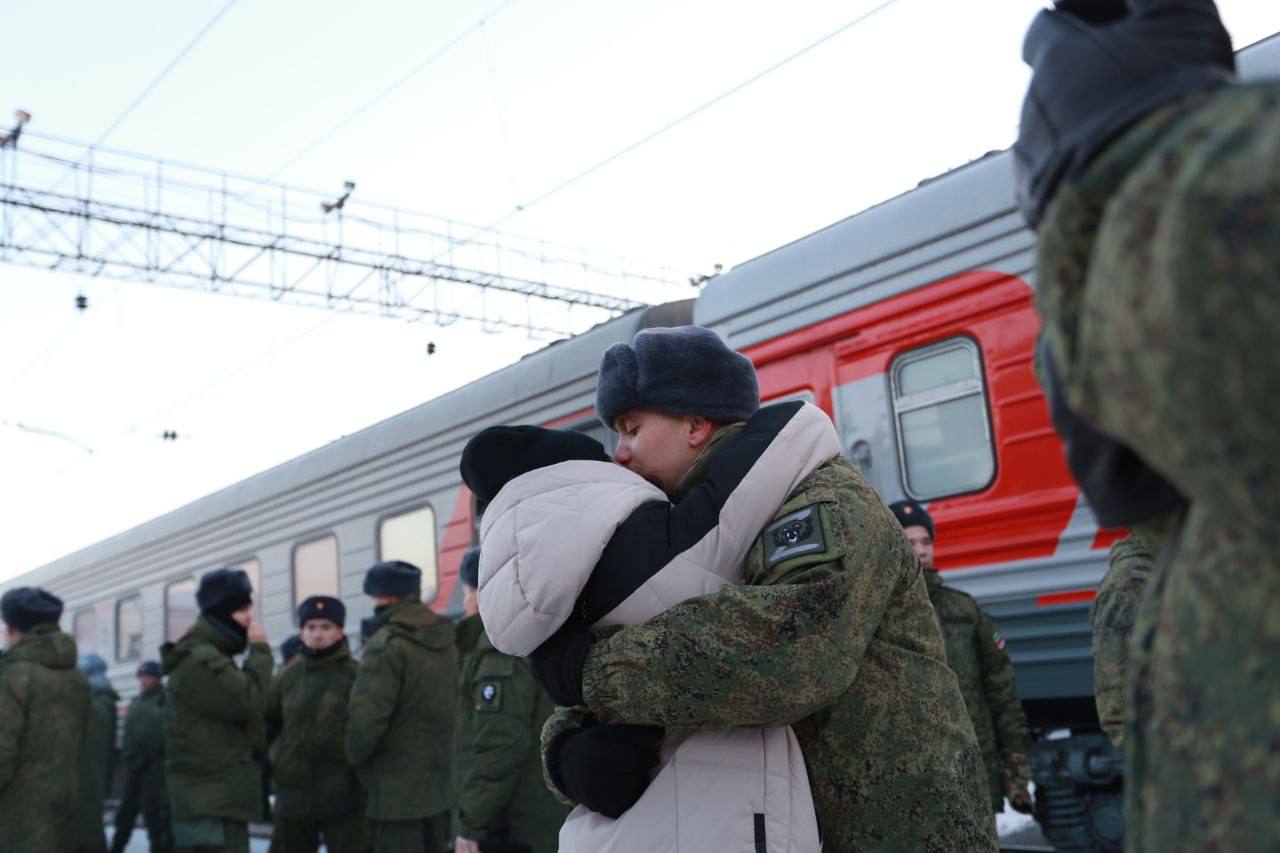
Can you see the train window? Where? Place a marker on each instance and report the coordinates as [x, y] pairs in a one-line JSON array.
[[315, 568], [253, 569], [411, 536], [180, 609], [944, 433], [129, 628], [85, 628]]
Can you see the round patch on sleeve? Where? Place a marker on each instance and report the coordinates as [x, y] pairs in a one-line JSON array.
[[489, 696]]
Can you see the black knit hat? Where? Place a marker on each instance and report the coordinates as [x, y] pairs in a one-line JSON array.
[[469, 568], [910, 513], [224, 591], [393, 577], [322, 607], [25, 607], [290, 648], [497, 455], [148, 667], [683, 370]]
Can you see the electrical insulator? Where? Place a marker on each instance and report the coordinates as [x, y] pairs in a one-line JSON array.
[[82, 302], [431, 348], [169, 435]]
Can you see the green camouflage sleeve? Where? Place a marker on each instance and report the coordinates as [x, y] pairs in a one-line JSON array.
[[505, 697], [12, 721], [221, 690], [1112, 619], [1001, 689], [767, 654], [561, 720], [373, 701], [274, 713]]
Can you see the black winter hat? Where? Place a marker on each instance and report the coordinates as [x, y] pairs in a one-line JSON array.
[[497, 455], [469, 568], [910, 513], [224, 591], [322, 607], [682, 370], [393, 577], [149, 667], [291, 647], [25, 607]]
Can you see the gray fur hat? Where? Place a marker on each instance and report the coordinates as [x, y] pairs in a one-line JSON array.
[[682, 370]]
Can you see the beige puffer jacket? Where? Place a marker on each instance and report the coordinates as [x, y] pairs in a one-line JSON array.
[[541, 538]]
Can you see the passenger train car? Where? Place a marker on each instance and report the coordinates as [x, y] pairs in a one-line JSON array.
[[912, 324]]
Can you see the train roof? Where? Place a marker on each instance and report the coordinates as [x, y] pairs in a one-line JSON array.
[[893, 246], [501, 393]]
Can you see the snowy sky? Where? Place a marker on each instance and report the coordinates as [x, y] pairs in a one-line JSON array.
[[541, 91]]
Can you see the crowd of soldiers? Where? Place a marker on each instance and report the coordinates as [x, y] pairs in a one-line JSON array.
[[1147, 173]]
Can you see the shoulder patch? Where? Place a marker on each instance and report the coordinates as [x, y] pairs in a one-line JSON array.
[[796, 534], [998, 639], [489, 696]]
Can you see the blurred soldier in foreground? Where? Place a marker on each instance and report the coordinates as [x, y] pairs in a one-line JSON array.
[[97, 758], [317, 794], [143, 753], [1151, 177], [504, 805], [44, 712], [832, 632], [214, 718], [400, 721], [976, 653], [1112, 618]]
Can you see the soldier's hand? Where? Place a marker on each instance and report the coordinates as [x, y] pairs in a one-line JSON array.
[[604, 767], [257, 634], [1017, 781], [465, 845], [557, 663]]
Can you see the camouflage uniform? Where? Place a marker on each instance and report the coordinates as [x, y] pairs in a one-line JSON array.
[[144, 787], [317, 793], [976, 654], [399, 733], [213, 731], [834, 635], [501, 793], [96, 763], [1159, 289], [44, 712], [1112, 620]]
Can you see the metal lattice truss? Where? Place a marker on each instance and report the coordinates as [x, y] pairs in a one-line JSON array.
[[108, 213]]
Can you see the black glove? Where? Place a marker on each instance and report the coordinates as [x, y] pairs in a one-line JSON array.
[[557, 663], [604, 767]]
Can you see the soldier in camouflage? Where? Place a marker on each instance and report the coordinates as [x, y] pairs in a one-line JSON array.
[[44, 712], [976, 654], [1112, 618], [213, 727], [1154, 195], [143, 754], [97, 758], [318, 798], [832, 633], [503, 804], [399, 734]]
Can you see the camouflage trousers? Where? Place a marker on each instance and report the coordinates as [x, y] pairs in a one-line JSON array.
[[428, 835], [1159, 286], [211, 835], [343, 834]]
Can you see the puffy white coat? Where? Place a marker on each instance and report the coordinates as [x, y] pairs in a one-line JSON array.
[[541, 538]]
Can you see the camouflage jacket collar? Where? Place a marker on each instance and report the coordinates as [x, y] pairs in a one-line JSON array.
[[468, 632], [336, 655], [203, 631], [45, 645], [722, 438], [933, 579]]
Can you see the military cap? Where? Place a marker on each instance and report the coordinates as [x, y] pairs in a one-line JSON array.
[[497, 455], [322, 607], [150, 668], [682, 370], [469, 568], [224, 591], [23, 608], [292, 647], [910, 513], [393, 577]]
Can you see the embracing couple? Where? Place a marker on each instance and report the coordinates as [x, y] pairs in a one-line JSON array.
[[735, 628]]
